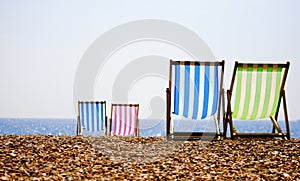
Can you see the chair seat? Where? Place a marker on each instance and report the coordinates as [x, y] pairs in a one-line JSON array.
[[194, 136], [262, 135]]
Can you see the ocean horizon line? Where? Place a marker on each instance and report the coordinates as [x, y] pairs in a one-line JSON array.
[[45, 118]]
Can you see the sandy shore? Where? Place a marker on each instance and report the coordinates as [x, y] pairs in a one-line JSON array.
[[112, 158]]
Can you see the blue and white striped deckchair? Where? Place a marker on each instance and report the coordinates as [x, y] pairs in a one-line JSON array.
[[91, 116], [258, 93], [198, 93]]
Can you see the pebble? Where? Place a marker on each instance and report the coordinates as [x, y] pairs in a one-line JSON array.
[[45, 157]]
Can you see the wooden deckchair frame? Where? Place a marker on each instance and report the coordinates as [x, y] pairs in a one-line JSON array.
[[228, 119], [194, 135], [78, 126], [137, 133]]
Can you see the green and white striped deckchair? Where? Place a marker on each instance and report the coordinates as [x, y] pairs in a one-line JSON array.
[[258, 93]]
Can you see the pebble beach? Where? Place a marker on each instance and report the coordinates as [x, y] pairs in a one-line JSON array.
[[45, 157]]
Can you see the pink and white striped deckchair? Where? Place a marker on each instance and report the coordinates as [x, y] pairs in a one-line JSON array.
[[124, 119]]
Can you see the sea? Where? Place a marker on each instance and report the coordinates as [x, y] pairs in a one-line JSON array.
[[148, 128]]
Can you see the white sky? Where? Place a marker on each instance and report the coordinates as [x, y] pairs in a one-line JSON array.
[[41, 43]]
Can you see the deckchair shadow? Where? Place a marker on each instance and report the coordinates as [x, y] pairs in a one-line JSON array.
[[259, 91], [124, 120], [196, 93], [91, 117]]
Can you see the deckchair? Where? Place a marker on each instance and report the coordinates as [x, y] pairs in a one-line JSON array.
[[198, 94], [91, 116], [124, 120], [258, 93]]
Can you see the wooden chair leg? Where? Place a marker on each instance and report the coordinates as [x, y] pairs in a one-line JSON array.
[[275, 124], [78, 127], [225, 126], [110, 122], [229, 114], [217, 127], [286, 117], [106, 129], [168, 113]]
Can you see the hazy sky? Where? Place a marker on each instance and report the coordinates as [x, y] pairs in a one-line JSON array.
[[42, 42]]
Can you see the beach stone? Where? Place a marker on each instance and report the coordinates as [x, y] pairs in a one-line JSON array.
[[45, 157]]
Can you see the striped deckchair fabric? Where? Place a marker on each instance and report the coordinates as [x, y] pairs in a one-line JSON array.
[[91, 116], [124, 119], [258, 93], [195, 92], [196, 89]]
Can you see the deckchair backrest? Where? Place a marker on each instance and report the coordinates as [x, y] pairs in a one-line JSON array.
[[124, 119], [92, 115], [257, 90], [196, 88]]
